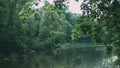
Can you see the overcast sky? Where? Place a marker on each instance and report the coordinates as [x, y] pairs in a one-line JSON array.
[[74, 6]]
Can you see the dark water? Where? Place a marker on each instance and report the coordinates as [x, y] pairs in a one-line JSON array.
[[63, 58]]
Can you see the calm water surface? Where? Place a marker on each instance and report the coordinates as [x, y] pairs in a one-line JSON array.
[[90, 57]]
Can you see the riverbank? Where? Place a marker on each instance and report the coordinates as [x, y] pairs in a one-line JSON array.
[[48, 50]]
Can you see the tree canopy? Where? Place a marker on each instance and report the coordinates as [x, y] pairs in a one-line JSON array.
[[105, 29], [24, 28]]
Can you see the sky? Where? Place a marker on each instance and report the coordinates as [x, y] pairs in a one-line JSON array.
[[74, 6]]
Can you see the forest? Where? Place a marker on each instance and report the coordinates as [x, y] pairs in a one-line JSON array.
[[25, 29]]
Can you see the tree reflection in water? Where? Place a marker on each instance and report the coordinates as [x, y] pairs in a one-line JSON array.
[[62, 58]]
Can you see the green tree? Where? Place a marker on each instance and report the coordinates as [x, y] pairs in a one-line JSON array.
[[83, 28], [12, 33], [106, 14], [47, 26], [53, 26]]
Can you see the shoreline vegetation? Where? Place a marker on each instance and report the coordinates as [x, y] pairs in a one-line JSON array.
[[64, 46], [26, 29]]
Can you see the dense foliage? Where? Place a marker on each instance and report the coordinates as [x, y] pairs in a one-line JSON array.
[[105, 15], [24, 28], [12, 33]]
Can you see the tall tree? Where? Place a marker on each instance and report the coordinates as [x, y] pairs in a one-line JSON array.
[[12, 35], [105, 14]]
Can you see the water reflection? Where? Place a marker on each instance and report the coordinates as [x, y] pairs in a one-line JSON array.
[[68, 58]]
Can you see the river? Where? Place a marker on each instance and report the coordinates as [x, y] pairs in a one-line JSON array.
[[90, 57]]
